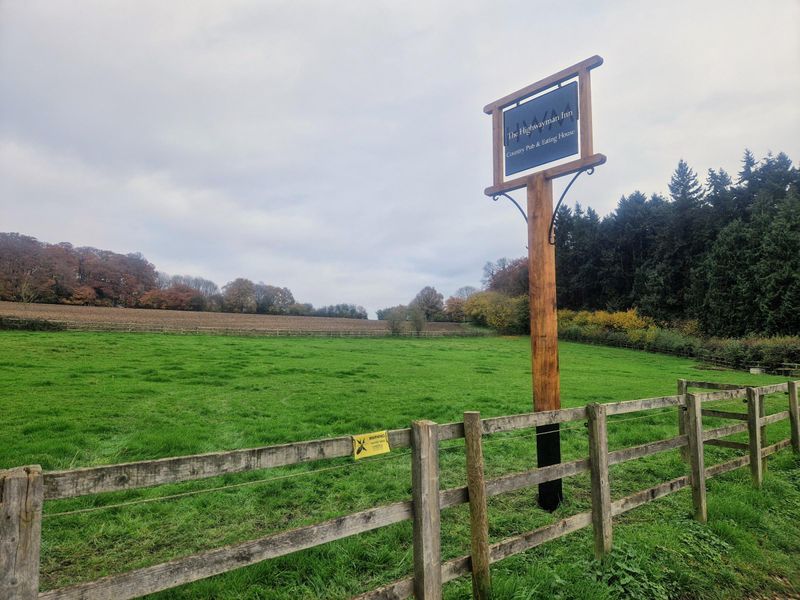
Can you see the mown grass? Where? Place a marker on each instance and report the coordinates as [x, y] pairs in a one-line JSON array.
[[72, 399]]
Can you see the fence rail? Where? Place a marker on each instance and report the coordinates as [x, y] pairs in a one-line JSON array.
[[134, 327], [25, 489]]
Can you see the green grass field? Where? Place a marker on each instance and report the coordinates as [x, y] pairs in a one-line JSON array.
[[74, 399]]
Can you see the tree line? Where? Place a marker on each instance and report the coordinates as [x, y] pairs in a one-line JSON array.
[[34, 271], [723, 254], [428, 305]]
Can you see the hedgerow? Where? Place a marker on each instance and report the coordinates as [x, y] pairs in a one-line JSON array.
[[631, 330]]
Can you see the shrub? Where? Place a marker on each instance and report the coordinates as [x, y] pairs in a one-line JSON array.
[[477, 307], [395, 319], [522, 309], [499, 311], [674, 342], [23, 324], [732, 351], [778, 350], [643, 338], [690, 327], [418, 319], [454, 309]]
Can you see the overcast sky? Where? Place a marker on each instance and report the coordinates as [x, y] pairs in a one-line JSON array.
[[340, 148]]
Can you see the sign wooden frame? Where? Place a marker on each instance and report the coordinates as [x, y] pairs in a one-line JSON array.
[[587, 157]]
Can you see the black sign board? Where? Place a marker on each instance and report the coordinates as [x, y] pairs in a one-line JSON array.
[[541, 130]]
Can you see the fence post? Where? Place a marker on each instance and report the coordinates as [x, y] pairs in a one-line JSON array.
[[427, 521], [601, 490], [683, 388], [762, 412], [478, 513], [794, 415], [754, 432], [697, 473], [21, 498]]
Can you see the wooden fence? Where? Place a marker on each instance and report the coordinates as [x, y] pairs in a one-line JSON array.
[[365, 332], [25, 489]]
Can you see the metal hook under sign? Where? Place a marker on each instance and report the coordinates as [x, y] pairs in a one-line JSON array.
[[550, 237]]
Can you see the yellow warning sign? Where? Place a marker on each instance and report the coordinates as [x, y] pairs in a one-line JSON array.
[[370, 444]]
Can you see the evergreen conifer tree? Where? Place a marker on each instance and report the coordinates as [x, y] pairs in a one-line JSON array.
[[748, 164]]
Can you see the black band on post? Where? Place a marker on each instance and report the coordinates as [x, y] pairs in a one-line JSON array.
[[548, 452]]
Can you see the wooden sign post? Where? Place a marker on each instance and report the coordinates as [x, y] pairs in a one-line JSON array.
[[529, 129]]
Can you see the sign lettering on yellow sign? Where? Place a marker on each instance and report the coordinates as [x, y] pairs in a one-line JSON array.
[[370, 444]]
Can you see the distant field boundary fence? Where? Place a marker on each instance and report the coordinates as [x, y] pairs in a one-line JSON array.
[[25, 489], [244, 331]]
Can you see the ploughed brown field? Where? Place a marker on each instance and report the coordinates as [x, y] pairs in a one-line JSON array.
[[98, 318]]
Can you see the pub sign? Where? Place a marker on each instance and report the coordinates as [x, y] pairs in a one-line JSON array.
[[541, 130]]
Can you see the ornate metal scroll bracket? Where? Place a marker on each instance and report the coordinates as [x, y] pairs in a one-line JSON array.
[[496, 197], [550, 237]]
